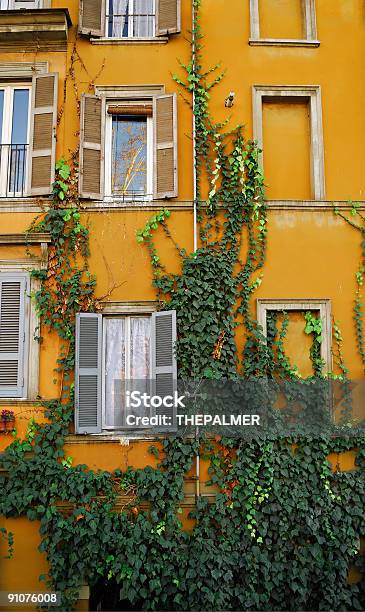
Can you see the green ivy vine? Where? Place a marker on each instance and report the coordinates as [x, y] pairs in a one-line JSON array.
[[284, 528], [358, 222]]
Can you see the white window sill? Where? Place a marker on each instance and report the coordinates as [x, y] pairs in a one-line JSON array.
[[117, 438], [110, 201], [152, 40], [282, 42]]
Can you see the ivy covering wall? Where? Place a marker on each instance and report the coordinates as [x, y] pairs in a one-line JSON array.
[[285, 529]]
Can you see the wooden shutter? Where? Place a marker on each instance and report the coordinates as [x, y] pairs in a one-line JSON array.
[[88, 373], [168, 17], [91, 179], [42, 148], [92, 17], [12, 335], [165, 146], [164, 368]]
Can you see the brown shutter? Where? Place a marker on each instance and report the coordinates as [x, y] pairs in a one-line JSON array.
[[165, 149], [42, 148], [92, 17], [168, 17], [91, 179]]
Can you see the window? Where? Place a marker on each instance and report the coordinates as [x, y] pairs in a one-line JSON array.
[[119, 353], [13, 333], [28, 113], [127, 357], [128, 152], [283, 23], [297, 344], [14, 138], [8, 5], [311, 94], [128, 145], [130, 18], [19, 351]]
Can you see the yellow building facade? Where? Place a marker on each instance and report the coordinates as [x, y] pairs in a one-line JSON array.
[[92, 83]]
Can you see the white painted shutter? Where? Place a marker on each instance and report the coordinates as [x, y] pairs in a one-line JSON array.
[[92, 122], [12, 335], [92, 17], [168, 17], [88, 378], [165, 146], [164, 367], [42, 148]]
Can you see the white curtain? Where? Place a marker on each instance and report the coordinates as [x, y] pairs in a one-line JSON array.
[[139, 365], [131, 18], [140, 348], [125, 371], [118, 18], [144, 20], [114, 371]]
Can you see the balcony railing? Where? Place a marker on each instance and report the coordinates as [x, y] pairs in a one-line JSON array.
[[13, 170]]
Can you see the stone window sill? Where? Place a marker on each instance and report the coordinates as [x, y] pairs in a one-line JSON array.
[[123, 439], [282, 42], [160, 40]]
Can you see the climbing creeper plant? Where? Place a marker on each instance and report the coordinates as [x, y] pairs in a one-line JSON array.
[[66, 286], [314, 327], [276, 496], [357, 221]]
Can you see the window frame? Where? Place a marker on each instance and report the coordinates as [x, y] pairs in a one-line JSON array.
[[130, 23], [31, 326], [127, 317], [127, 94], [11, 5], [313, 94], [9, 89], [89, 358], [322, 306], [23, 349], [108, 195], [310, 28]]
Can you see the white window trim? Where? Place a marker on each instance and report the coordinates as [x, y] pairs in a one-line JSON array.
[[31, 347], [310, 28], [12, 70], [108, 195], [130, 23], [313, 94], [323, 307], [5, 135], [130, 93], [119, 310]]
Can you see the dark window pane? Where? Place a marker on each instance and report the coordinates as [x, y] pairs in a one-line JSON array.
[[17, 155], [19, 133]]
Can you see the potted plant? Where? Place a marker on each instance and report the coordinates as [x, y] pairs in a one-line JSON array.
[[7, 420]]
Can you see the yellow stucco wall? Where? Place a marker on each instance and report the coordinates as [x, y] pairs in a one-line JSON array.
[[311, 253]]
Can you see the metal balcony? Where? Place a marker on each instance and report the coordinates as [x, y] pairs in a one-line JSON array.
[[13, 170]]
